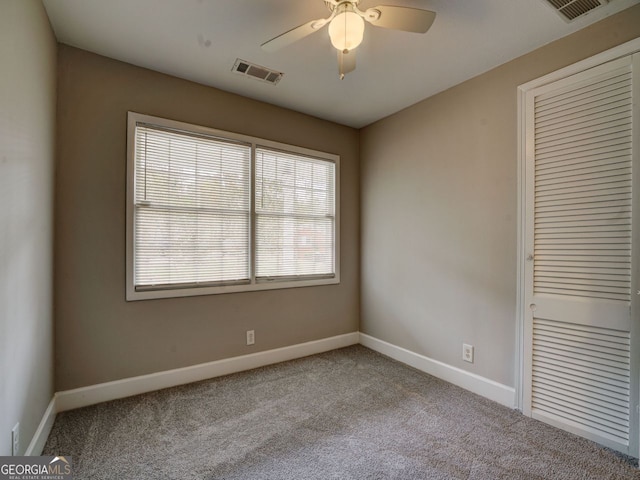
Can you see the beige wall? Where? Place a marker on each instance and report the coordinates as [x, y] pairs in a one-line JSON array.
[[27, 134], [101, 337], [438, 211]]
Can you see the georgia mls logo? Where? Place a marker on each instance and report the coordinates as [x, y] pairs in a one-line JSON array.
[[63, 466], [35, 468]]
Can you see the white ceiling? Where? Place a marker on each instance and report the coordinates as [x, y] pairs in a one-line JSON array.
[[200, 40]]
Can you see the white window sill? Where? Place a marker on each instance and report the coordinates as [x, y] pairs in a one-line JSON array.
[[134, 295]]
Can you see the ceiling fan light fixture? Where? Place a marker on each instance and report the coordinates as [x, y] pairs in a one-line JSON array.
[[347, 23], [346, 30]]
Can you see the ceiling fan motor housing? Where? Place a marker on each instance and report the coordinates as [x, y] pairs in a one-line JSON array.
[[332, 4]]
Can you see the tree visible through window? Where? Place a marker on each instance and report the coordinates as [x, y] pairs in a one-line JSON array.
[[295, 215]]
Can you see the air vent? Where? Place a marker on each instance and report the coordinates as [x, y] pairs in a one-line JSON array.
[[572, 9], [252, 70]]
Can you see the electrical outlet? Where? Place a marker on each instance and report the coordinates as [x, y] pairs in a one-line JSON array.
[[467, 353], [15, 440], [251, 337]]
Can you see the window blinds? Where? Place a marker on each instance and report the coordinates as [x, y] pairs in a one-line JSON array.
[[191, 209], [295, 216]]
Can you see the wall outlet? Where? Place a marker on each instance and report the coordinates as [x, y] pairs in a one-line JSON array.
[[467, 353], [15, 440], [251, 337]]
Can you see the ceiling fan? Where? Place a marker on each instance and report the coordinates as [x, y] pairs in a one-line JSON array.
[[346, 27]]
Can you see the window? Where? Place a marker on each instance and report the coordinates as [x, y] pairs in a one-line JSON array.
[[215, 212], [295, 215]]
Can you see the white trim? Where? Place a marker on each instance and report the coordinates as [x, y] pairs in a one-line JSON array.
[[42, 432], [135, 295], [622, 50], [634, 434], [103, 392], [490, 389], [520, 292]]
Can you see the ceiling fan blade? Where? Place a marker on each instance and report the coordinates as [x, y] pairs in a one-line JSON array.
[[293, 35], [346, 62], [400, 18]]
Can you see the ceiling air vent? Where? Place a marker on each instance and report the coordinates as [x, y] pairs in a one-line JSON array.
[[572, 9], [256, 71]]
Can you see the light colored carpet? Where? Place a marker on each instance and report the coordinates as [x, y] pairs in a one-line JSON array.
[[346, 414]]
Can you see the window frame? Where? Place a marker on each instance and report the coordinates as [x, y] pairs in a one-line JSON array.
[[254, 284]]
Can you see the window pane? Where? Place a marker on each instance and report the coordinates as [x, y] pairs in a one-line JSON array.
[[191, 209], [289, 246], [295, 215], [182, 170]]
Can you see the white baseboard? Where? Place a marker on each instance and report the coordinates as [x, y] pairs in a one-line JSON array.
[[43, 430], [103, 392], [91, 395], [469, 381]]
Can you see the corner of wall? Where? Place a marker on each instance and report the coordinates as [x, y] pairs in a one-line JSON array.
[[27, 114]]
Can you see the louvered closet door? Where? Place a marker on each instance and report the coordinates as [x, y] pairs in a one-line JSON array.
[[581, 372]]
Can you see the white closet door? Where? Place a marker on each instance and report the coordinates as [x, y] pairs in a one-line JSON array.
[[581, 363]]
